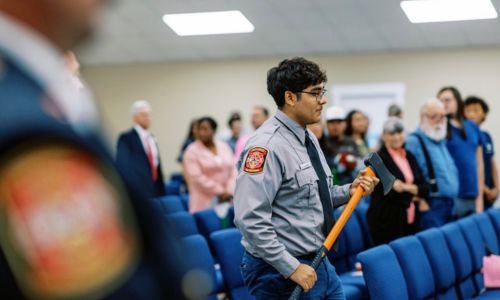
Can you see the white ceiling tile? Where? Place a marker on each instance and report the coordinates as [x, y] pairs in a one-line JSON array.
[[134, 32]]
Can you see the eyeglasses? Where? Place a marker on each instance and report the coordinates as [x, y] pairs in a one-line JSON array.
[[436, 117], [318, 95]]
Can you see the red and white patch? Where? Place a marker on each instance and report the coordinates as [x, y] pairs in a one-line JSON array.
[[66, 229], [256, 159]]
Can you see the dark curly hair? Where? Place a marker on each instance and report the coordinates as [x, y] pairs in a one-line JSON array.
[[476, 100], [293, 75]]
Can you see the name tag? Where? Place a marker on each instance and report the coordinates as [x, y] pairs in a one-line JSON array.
[[305, 165]]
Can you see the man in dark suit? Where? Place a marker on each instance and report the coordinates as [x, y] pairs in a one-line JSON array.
[[138, 151], [72, 225]]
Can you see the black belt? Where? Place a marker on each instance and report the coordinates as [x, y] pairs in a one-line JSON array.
[[308, 256]]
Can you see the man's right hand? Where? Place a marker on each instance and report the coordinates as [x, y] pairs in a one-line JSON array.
[[305, 276]]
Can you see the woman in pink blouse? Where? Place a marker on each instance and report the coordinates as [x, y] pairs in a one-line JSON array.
[[209, 165], [395, 215]]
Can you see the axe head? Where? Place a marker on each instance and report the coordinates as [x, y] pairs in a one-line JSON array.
[[377, 165]]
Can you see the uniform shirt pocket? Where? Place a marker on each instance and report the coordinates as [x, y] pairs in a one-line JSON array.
[[307, 185]]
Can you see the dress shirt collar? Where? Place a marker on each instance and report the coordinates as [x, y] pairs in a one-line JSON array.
[[37, 56], [143, 133], [298, 130]]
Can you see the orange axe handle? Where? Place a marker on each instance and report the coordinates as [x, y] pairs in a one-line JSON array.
[[337, 228], [346, 213]]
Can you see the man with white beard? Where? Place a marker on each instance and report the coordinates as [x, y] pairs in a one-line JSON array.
[[428, 145]]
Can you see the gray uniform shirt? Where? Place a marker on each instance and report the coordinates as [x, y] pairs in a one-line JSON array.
[[277, 204]]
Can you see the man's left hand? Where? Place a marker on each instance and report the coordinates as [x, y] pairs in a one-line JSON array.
[[368, 184]]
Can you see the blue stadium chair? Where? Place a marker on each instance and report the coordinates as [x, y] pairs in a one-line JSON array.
[[178, 177], [171, 204], [494, 214], [383, 275], [183, 222], [352, 292], [201, 268], [185, 201], [361, 211], [173, 188], [229, 252], [351, 242], [439, 256], [488, 232], [476, 245], [461, 259], [208, 221], [414, 263]]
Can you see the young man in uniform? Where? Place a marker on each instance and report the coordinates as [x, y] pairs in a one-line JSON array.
[[284, 198]]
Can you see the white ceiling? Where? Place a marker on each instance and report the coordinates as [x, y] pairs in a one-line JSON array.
[[133, 31]]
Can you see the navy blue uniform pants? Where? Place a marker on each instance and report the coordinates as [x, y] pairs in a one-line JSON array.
[[264, 282]]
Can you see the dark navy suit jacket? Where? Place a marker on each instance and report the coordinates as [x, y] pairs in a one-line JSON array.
[[130, 154], [23, 119]]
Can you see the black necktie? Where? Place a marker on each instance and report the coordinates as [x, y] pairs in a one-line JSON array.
[[324, 191]]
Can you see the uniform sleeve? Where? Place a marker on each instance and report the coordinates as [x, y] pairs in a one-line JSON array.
[[340, 195], [253, 199], [197, 178]]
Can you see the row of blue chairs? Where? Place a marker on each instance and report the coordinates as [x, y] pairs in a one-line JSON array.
[[354, 239], [438, 263], [203, 252]]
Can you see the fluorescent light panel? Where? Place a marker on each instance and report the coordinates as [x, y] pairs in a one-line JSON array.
[[426, 11], [218, 22]]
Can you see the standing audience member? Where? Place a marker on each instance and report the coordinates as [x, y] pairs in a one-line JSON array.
[[357, 128], [138, 150], [209, 164], [428, 145], [190, 138], [341, 152], [464, 144], [259, 115], [476, 110], [234, 124], [395, 215]]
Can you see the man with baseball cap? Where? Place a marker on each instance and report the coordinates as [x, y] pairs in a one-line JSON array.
[[340, 151]]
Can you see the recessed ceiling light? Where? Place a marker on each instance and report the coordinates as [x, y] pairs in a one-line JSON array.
[[425, 11], [218, 22]]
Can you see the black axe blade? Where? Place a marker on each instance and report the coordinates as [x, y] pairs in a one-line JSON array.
[[386, 178]]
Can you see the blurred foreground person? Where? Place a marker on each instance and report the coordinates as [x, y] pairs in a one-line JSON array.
[[72, 225]]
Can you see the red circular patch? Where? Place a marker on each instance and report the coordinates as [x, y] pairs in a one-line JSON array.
[[256, 160]]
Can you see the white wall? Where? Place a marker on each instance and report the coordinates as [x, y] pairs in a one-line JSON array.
[[179, 92]]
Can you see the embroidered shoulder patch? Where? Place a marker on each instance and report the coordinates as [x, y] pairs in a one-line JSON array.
[[256, 159]]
